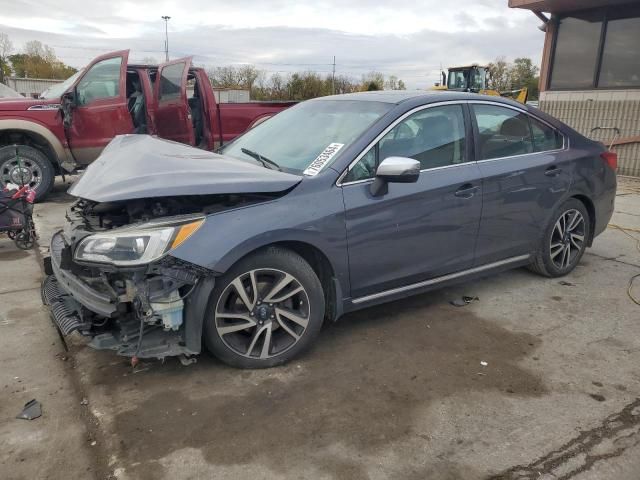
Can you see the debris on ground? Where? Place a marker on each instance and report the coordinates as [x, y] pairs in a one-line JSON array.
[[32, 410], [483, 363], [84, 401], [566, 284], [463, 301]]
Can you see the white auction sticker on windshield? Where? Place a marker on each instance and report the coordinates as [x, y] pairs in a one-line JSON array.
[[322, 159]]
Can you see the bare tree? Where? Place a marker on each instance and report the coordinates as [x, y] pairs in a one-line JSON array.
[[6, 47], [500, 74]]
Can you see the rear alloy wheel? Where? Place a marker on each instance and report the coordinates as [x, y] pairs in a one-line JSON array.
[[30, 167], [265, 310], [565, 240]]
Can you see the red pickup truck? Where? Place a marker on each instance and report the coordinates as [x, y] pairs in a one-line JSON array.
[[69, 126]]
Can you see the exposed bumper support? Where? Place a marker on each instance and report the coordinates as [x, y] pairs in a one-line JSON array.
[[65, 311]]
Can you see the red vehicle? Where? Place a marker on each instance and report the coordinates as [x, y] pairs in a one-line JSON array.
[[68, 127]]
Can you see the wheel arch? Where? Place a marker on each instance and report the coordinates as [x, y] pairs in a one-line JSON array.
[[591, 210], [33, 134], [318, 261]]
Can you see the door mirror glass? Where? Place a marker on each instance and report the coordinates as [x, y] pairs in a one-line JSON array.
[[394, 170]]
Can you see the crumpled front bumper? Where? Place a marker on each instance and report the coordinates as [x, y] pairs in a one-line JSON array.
[[76, 306], [66, 294]]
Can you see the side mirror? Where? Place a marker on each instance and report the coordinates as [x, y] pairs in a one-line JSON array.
[[394, 170], [67, 103]]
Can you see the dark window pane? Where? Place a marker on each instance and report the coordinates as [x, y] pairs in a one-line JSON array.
[[434, 136], [503, 132], [170, 81], [621, 56], [545, 137], [574, 62]]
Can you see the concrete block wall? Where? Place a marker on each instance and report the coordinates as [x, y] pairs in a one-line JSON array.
[[584, 110]]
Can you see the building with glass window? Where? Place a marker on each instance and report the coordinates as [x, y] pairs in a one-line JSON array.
[[590, 71]]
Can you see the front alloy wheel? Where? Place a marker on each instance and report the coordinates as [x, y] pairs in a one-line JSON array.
[[265, 310], [262, 313]]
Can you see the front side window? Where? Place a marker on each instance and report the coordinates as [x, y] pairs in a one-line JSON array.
[[503, 132], [621, 55], [171, 81], [101, 81], [434, 136], [576, 53]]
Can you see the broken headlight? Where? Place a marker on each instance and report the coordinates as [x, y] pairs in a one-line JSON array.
[[135, 246]]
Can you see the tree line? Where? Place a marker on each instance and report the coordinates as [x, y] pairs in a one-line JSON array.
[[521, 73], [297, 85], [35, 61]]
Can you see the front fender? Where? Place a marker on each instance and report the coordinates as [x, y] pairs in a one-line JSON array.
[[315, 219], [63, 154]]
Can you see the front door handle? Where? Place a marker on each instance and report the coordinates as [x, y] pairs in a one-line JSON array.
[[467, 191], [553, 171]]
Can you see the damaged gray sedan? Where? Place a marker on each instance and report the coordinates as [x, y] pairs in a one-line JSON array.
[[333, 205]]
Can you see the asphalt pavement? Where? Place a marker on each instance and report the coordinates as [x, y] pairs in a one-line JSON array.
[[538, 379]]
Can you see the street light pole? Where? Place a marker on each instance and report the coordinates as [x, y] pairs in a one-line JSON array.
[[166, 36]]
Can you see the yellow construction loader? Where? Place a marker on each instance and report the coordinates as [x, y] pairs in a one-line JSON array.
[[475, 78]]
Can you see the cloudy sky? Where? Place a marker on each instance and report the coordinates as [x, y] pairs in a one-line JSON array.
[[404, 37]]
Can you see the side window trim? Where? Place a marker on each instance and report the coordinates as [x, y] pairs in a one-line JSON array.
[[405, 115], [476, 131]]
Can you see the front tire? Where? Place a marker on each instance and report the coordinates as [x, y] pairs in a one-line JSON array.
[[266, 310], [30, 167], [564, 240]]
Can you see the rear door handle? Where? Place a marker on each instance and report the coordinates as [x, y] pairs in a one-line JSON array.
[[553, 171], [466, 191]]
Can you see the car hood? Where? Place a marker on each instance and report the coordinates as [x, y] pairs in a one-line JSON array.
[[141, 166]]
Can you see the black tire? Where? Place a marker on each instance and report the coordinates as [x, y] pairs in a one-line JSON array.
[[545, 262], [278, 262], [41, 174]]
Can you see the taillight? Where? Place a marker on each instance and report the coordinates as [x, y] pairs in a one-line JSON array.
[[610, 158]]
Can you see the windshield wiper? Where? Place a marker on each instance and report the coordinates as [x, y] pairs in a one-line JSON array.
[[262, 159]]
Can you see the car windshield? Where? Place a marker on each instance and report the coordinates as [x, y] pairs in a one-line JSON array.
[[296, 137], [58, 89]]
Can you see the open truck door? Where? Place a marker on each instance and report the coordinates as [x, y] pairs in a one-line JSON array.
[[95, 106], [171, 110]]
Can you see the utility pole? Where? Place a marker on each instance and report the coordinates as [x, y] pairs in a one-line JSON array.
[[166, 36], [333, 77]]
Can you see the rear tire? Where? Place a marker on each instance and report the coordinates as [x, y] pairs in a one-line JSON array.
[[32, 168], [265, 310], [564, 240]]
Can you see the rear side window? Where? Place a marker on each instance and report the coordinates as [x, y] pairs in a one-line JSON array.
[[503, 132], [544, 137], [171, 81]]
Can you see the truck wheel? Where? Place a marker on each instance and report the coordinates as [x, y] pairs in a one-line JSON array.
[[564, 241], [31, 167], [267, 309]]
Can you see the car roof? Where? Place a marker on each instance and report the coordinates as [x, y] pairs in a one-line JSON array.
[[422, 96]]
